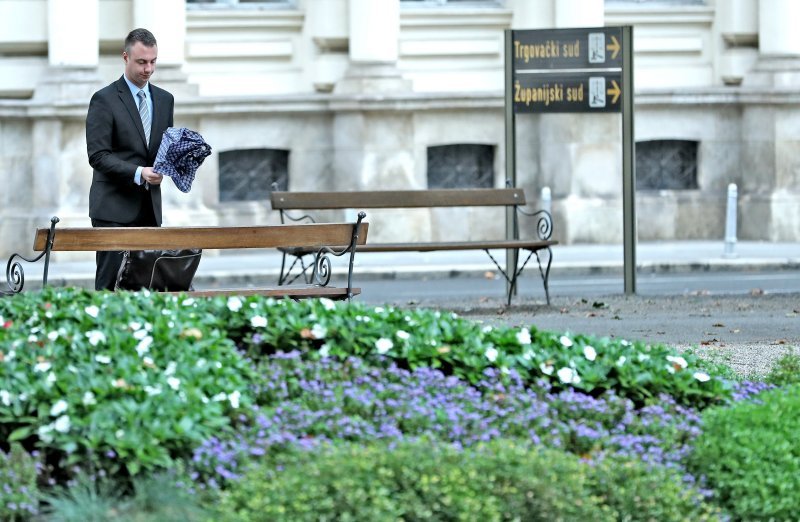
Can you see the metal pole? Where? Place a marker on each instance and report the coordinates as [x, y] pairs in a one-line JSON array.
[[730, 221], [511, 158], [628, 164]]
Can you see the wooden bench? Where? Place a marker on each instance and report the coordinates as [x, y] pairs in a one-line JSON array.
[[396, 199], [323, 239]]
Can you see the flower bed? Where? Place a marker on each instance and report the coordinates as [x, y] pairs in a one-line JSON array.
[[117, 386]]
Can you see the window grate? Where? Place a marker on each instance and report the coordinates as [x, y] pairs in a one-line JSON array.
[[461, 166], [666, 165], [248, 174]]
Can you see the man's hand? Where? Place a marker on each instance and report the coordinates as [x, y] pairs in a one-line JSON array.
[[152, 177]]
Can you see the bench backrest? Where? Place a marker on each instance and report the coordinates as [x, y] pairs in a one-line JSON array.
[[397, 199], [155, 238]]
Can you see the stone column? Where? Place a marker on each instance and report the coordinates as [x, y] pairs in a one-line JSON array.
[[167, 21], [778, 62], [72, 54], [327, 27], [771, 129], [374, 34]]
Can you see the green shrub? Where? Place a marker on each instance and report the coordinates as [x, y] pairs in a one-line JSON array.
[[115, 383], [18, 491], [421, 481], [785, 371], [750, 455], [155, 498]]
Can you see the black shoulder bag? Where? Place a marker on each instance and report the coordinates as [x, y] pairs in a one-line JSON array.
[[158, 270]]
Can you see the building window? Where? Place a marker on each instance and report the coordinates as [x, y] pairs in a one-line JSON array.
[[461, 166], [666, 165], [238, 3], [493, 3], [248, 174]]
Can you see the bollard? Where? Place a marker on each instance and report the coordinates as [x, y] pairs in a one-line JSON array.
[[547, 200], [730, 221]]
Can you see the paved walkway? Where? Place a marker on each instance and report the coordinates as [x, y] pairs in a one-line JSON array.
[[661, 256]]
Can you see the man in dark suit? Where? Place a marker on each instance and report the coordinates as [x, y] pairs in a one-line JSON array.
[[124, 125]]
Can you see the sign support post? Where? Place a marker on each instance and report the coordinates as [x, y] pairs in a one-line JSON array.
[[512, 231], [628, 164]]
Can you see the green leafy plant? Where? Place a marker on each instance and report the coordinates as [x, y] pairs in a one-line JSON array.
[[115, 383], [785, 371], [18, 490], [750, 455], [424, 481]]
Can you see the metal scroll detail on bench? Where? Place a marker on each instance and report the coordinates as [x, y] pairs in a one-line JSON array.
[[322, 262], [15, 275]]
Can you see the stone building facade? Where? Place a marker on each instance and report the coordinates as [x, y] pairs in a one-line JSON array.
[[372, 94]]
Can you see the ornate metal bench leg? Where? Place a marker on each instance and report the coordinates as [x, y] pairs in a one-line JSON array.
[[546, 273], [15, 275]]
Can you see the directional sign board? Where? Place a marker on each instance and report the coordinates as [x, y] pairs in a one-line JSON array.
[[567, 70]]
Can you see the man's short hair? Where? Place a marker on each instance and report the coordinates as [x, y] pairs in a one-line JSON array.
[[139, 35]]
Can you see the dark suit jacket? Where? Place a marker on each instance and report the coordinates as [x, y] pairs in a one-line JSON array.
[[116, 146]]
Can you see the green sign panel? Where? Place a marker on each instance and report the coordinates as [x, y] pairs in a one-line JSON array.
[[567, 92], [586, 48]]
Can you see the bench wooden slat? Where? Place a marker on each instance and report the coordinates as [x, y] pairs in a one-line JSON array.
[[457, 245], [289, 291], [154, 238], [525, 244], [397, 199]]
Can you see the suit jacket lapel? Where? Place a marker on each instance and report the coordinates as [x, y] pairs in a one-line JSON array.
[[125, 96], [160, 112]]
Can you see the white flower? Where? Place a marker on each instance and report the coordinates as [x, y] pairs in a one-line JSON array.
[[670, 368], [486, 329], [491, 354], [58, 408], [171, 367], [188, 302], [547, 369], [258, 321], [140, 334], [643, 357], [378, 310], [102, 359], [144, 345], [234, 398], [42, 366], [61, 424], [5, 395], [527, 354], [148, 360], [10, 355], [402, 334], [383, 345], [134, 325], [319, 331], [52, 336], [152, 390], [702, 377], [51, 378], [621, 360], [45, 433], [565, 374], [96, 337], [324, 350], [234, 304], [327, 303], [174, 382], [92, 310], [32, 338], [566, 342], [221, 396], [680, 361], [524, 336], [119, 434], [200, 362], [88, 399], [568, 376], [589, 352]]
